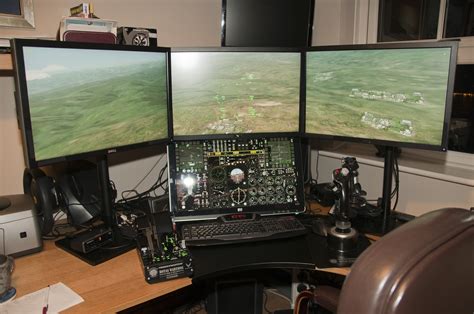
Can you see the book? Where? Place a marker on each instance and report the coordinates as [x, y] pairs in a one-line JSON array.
[[82, 10]]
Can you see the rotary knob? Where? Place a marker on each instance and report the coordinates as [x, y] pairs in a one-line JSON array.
[[153, 272]]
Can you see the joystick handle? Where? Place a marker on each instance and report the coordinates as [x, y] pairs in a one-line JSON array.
[[341, 177]]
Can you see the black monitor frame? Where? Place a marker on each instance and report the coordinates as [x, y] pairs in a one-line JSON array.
[[448, 102], [385, 221], [23, 112], [243, 49], [213, 213], [119, 244], [309, 26]]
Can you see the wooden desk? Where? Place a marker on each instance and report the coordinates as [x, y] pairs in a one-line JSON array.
[[106, 288]]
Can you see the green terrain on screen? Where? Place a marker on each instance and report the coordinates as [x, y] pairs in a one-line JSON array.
[[85, 111], [222, 93], [394, 95]]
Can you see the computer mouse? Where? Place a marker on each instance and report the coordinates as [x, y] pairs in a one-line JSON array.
[[319, 227]]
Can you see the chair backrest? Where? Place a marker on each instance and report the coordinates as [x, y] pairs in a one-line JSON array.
[[424, 266]]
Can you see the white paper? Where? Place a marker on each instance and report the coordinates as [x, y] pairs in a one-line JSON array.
[[60, 298]]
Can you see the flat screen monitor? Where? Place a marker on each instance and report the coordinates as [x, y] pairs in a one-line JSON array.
[[77, 99], [237, 174], [387, 94], [267, 23], [235, 91]]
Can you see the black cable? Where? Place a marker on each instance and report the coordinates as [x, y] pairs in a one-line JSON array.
[[397, 183], [396, 175], [158, 183], [57, 233], [148, 173], [317, 171], [155, 185], [114, 189]]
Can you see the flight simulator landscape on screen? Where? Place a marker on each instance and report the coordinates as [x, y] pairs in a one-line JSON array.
[[235, 92], [386, 94], [85, 100]]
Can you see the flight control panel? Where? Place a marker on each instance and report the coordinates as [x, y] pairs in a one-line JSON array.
[[220, 176]]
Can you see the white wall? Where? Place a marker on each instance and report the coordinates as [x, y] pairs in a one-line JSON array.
[[333, 22], [11, 153]]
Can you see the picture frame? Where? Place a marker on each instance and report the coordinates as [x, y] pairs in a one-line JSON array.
[[22, 19]]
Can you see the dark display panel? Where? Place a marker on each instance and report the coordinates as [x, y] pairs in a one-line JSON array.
[[216, 177], [267, 23], [396, 96], [228, 92], [82, 98]]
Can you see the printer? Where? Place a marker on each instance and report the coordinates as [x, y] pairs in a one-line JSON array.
[[19, 227]]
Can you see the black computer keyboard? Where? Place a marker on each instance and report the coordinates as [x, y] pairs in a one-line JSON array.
[[263, 228]]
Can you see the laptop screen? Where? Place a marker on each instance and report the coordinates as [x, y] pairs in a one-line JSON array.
[[214, 177]]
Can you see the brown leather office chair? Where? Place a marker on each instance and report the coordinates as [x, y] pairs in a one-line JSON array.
[[424, 266]]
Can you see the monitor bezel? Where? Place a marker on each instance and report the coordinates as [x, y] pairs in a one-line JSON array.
[[443, 146], [23, 108], [263, 210], [242, 49], [309, 30]]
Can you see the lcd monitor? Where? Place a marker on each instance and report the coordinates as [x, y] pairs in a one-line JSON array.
[[77, 99], [82, 100], [237, 174], [218, 91], [267, 23], [388, 94]]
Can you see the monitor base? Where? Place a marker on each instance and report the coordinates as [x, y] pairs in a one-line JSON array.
[[100, 255]]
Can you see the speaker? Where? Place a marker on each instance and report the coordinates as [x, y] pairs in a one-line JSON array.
[[42, 189]]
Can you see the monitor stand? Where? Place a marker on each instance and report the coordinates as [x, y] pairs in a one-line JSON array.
[[385, 221], [117, 244], [99, 255]]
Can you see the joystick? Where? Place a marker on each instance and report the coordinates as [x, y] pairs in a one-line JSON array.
[[342, 237]]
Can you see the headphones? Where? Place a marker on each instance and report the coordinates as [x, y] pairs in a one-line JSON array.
[[76, 189], [43, 191]]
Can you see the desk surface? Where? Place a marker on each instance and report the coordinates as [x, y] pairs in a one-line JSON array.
[[109, 287], [106, 288], [119, 283]]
